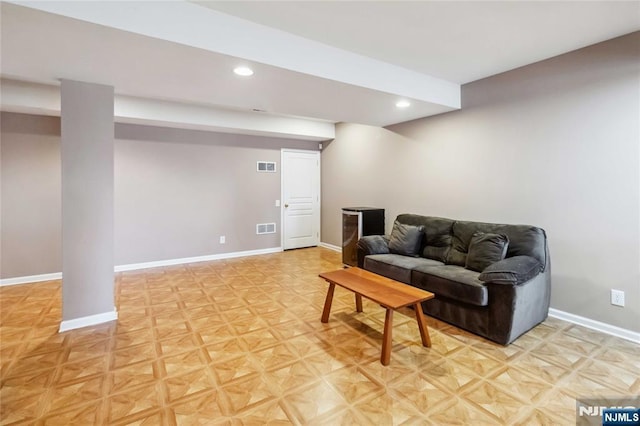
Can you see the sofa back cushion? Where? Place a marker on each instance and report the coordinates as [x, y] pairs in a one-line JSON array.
[[524, 240], [447, 240], [437, 234]]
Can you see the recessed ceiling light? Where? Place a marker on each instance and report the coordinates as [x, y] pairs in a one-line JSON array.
[[403, 104], [243, 71]]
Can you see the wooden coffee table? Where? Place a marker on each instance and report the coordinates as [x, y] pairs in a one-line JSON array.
[[384, 291]]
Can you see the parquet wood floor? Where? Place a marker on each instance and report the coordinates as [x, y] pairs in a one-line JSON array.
[[240, 342]]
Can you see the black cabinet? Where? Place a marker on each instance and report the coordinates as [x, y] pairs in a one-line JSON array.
[[356, 223]]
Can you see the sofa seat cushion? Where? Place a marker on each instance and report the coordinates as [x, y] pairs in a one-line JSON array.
[[395, 266], [454, 282]]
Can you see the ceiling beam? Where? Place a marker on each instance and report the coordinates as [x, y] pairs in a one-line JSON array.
[[193, 25], [41, 99]]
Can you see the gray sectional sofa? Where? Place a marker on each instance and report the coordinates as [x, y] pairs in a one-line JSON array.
[[490, 279]]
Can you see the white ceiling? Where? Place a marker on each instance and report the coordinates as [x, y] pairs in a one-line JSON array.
[[459, 41], [333, 61]]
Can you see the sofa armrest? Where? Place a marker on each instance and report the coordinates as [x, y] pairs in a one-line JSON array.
[[512, 271], [371, 244], [374, 244]]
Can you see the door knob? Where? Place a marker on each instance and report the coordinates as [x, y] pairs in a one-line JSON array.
[[286, 205]]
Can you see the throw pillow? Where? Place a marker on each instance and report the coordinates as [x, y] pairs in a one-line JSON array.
[[405, 239], [485, 249]]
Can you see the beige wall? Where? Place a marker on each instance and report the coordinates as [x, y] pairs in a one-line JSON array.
[[555, 144], [30, 209], [176, 192]]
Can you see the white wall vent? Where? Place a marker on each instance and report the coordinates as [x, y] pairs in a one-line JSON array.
[[267, 166], [266, 228]]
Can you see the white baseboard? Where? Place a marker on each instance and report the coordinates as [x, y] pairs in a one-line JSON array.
[[88, 320], [331, 247], [181, 261], [31, 279], [596, 325], [145, 265]]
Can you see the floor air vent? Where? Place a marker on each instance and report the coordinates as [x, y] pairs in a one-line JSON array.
[[266, 228]]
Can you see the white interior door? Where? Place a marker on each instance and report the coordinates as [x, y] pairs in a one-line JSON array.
[[300, 199]]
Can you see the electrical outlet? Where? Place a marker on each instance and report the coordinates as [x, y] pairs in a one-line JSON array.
[[222, 239], [617, 297]]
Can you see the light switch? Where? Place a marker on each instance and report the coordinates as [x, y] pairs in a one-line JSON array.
[[277, 203]]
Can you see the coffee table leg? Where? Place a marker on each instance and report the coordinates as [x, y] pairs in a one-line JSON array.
[[358, 303], [386, 337], [422, 325], [327, 303]]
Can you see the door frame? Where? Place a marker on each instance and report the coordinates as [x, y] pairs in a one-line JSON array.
[[305, 151]]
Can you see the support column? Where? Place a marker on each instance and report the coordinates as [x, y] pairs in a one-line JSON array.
[[87, 204]]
